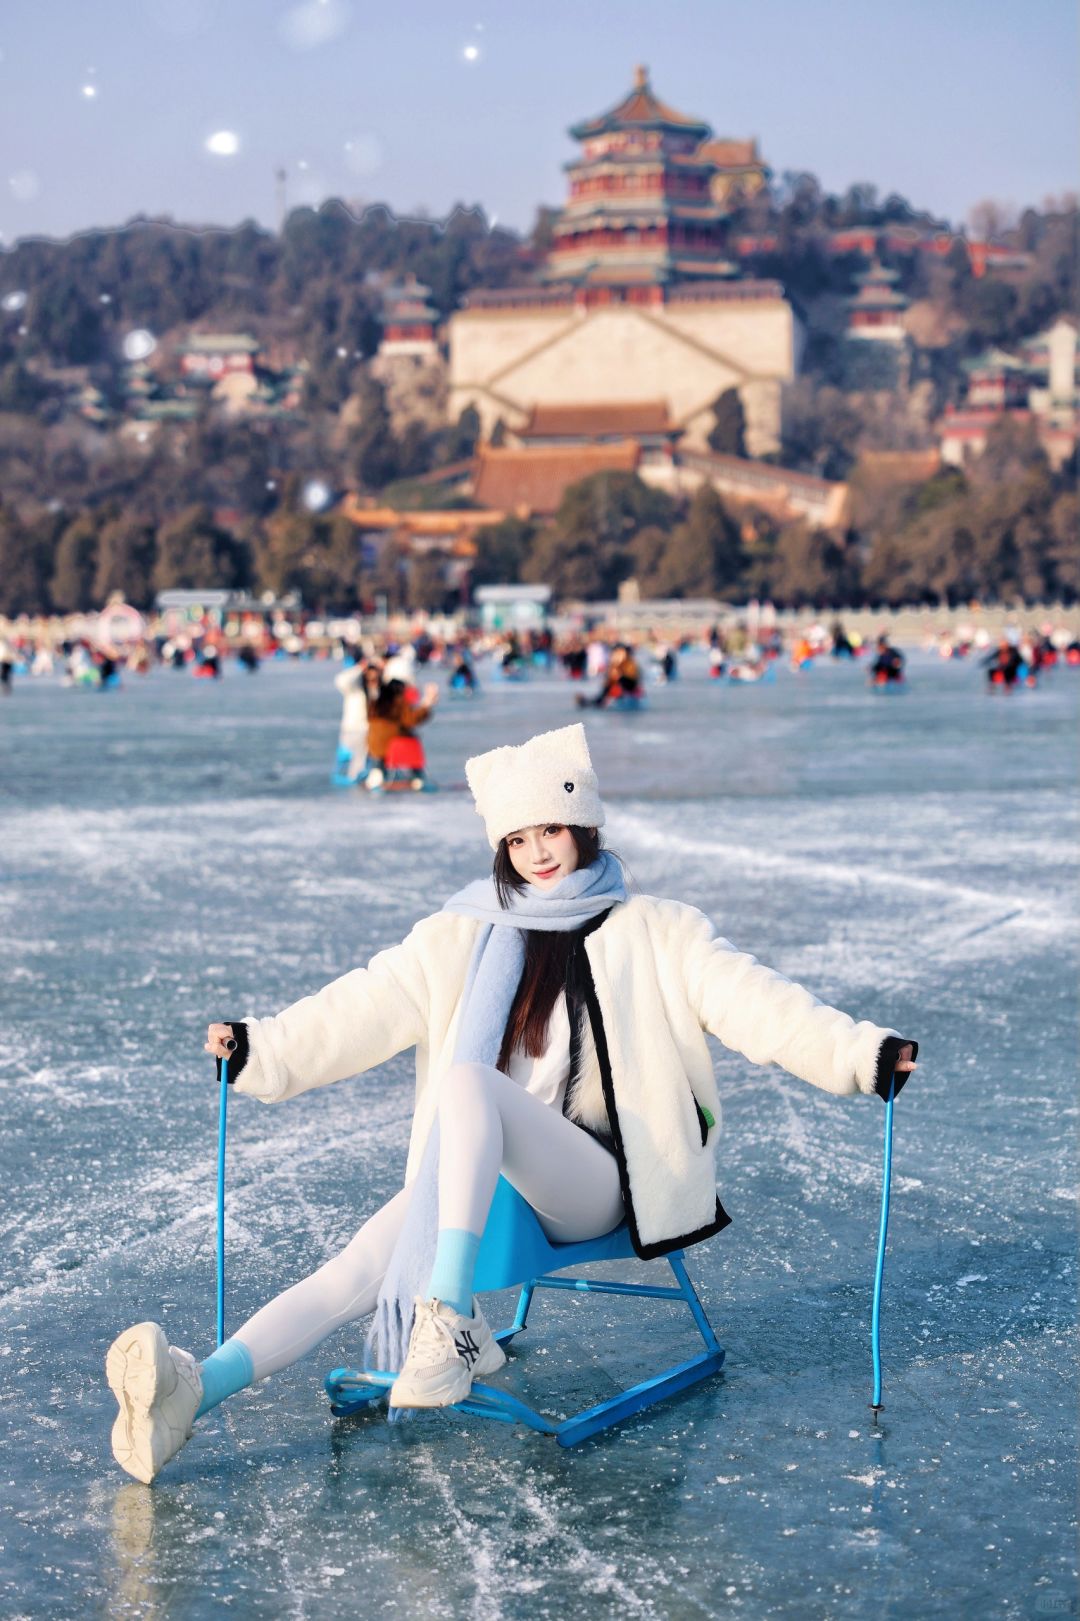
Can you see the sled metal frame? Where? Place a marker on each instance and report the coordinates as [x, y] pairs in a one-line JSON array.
[[350, 1391]]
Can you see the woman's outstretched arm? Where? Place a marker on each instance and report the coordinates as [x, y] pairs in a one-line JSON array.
[[349, 1026], [772, 1020]]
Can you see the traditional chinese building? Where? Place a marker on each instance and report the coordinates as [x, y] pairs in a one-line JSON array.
[[532, 483], [962, 434], [877, 310], [1037, 385], [781, 491], [637, 301], [409, 362], [996, 379], [640, 211], [209, 356], [409, 320], [738, 171], [648, 423], [1050, 359]]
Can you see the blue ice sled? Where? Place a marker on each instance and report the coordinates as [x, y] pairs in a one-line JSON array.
[[516, 1252]]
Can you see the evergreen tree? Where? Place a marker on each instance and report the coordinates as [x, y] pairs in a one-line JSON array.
[[649, 546], [988, 305], [1062, 552], [501, 550], [686, 566], [462, 438], [20, 390], [414, 454], [27, 552], [810, 567], [588, 551], [72, 585], [125, 560], [710, 517], [319, 556], [371, 452], [281, 545], [340, 582], [332, 375], [704, 555], [67, 324], [727, 436], [194, 553]]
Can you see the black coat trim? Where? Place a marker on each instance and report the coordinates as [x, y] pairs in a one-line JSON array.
[[888, 1053], [578, 1013], [238, 1060], [647, 1252]]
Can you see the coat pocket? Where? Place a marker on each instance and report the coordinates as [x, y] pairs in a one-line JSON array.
[[705, 1122]]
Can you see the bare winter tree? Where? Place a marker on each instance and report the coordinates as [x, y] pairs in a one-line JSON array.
[[990, 219]]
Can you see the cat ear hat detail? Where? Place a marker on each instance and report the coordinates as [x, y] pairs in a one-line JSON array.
[[548, 779]]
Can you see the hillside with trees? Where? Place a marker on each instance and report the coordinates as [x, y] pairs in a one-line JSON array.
[[86, 508]]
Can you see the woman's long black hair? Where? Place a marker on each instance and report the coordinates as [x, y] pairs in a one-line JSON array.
[[547, 953], [387, 698]]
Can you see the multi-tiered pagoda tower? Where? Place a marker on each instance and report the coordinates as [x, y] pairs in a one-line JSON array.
[[409, 320], [877, 310], [636, 303], [640, 210]]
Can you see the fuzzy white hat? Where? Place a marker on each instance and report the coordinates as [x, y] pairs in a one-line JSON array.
[[548, 779], [401, 666]]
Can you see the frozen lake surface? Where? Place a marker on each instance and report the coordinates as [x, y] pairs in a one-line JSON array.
[[172, 853]]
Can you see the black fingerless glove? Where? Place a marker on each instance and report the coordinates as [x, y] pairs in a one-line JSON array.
[[239, 1058], [888, 1054]]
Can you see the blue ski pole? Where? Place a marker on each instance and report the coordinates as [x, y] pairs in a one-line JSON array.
[[886, 1176], [223, 1106]]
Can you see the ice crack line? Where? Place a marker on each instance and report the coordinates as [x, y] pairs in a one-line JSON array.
[[750, 858]]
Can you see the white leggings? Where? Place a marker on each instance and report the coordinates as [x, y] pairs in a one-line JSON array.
[[488, 1125]]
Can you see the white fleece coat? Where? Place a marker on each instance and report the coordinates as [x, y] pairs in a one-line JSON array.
[[661, 977], [354, 709]]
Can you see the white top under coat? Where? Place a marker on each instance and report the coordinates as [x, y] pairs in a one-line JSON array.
[[546, 1077]]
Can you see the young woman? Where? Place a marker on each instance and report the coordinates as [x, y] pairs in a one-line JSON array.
[[392, 743], [559, 1026], [358, 684]]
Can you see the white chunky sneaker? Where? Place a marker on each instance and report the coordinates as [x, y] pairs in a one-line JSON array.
[[159, 1391], [446, 1352]]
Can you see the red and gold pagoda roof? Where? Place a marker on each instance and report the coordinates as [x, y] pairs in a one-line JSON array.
[[641, 109]]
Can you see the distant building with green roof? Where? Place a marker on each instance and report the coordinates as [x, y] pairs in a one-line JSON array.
[[207, 357]]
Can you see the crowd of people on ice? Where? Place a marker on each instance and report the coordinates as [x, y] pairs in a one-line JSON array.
[[614, 671]]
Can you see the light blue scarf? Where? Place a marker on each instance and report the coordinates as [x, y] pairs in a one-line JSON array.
[[491, 981]]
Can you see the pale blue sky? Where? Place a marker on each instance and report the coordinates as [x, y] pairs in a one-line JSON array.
[[946, 101]]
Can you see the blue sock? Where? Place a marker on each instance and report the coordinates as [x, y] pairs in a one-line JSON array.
[[226, 1371], [455, 1263]]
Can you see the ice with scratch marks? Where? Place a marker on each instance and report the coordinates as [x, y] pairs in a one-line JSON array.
[[173, 854]]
